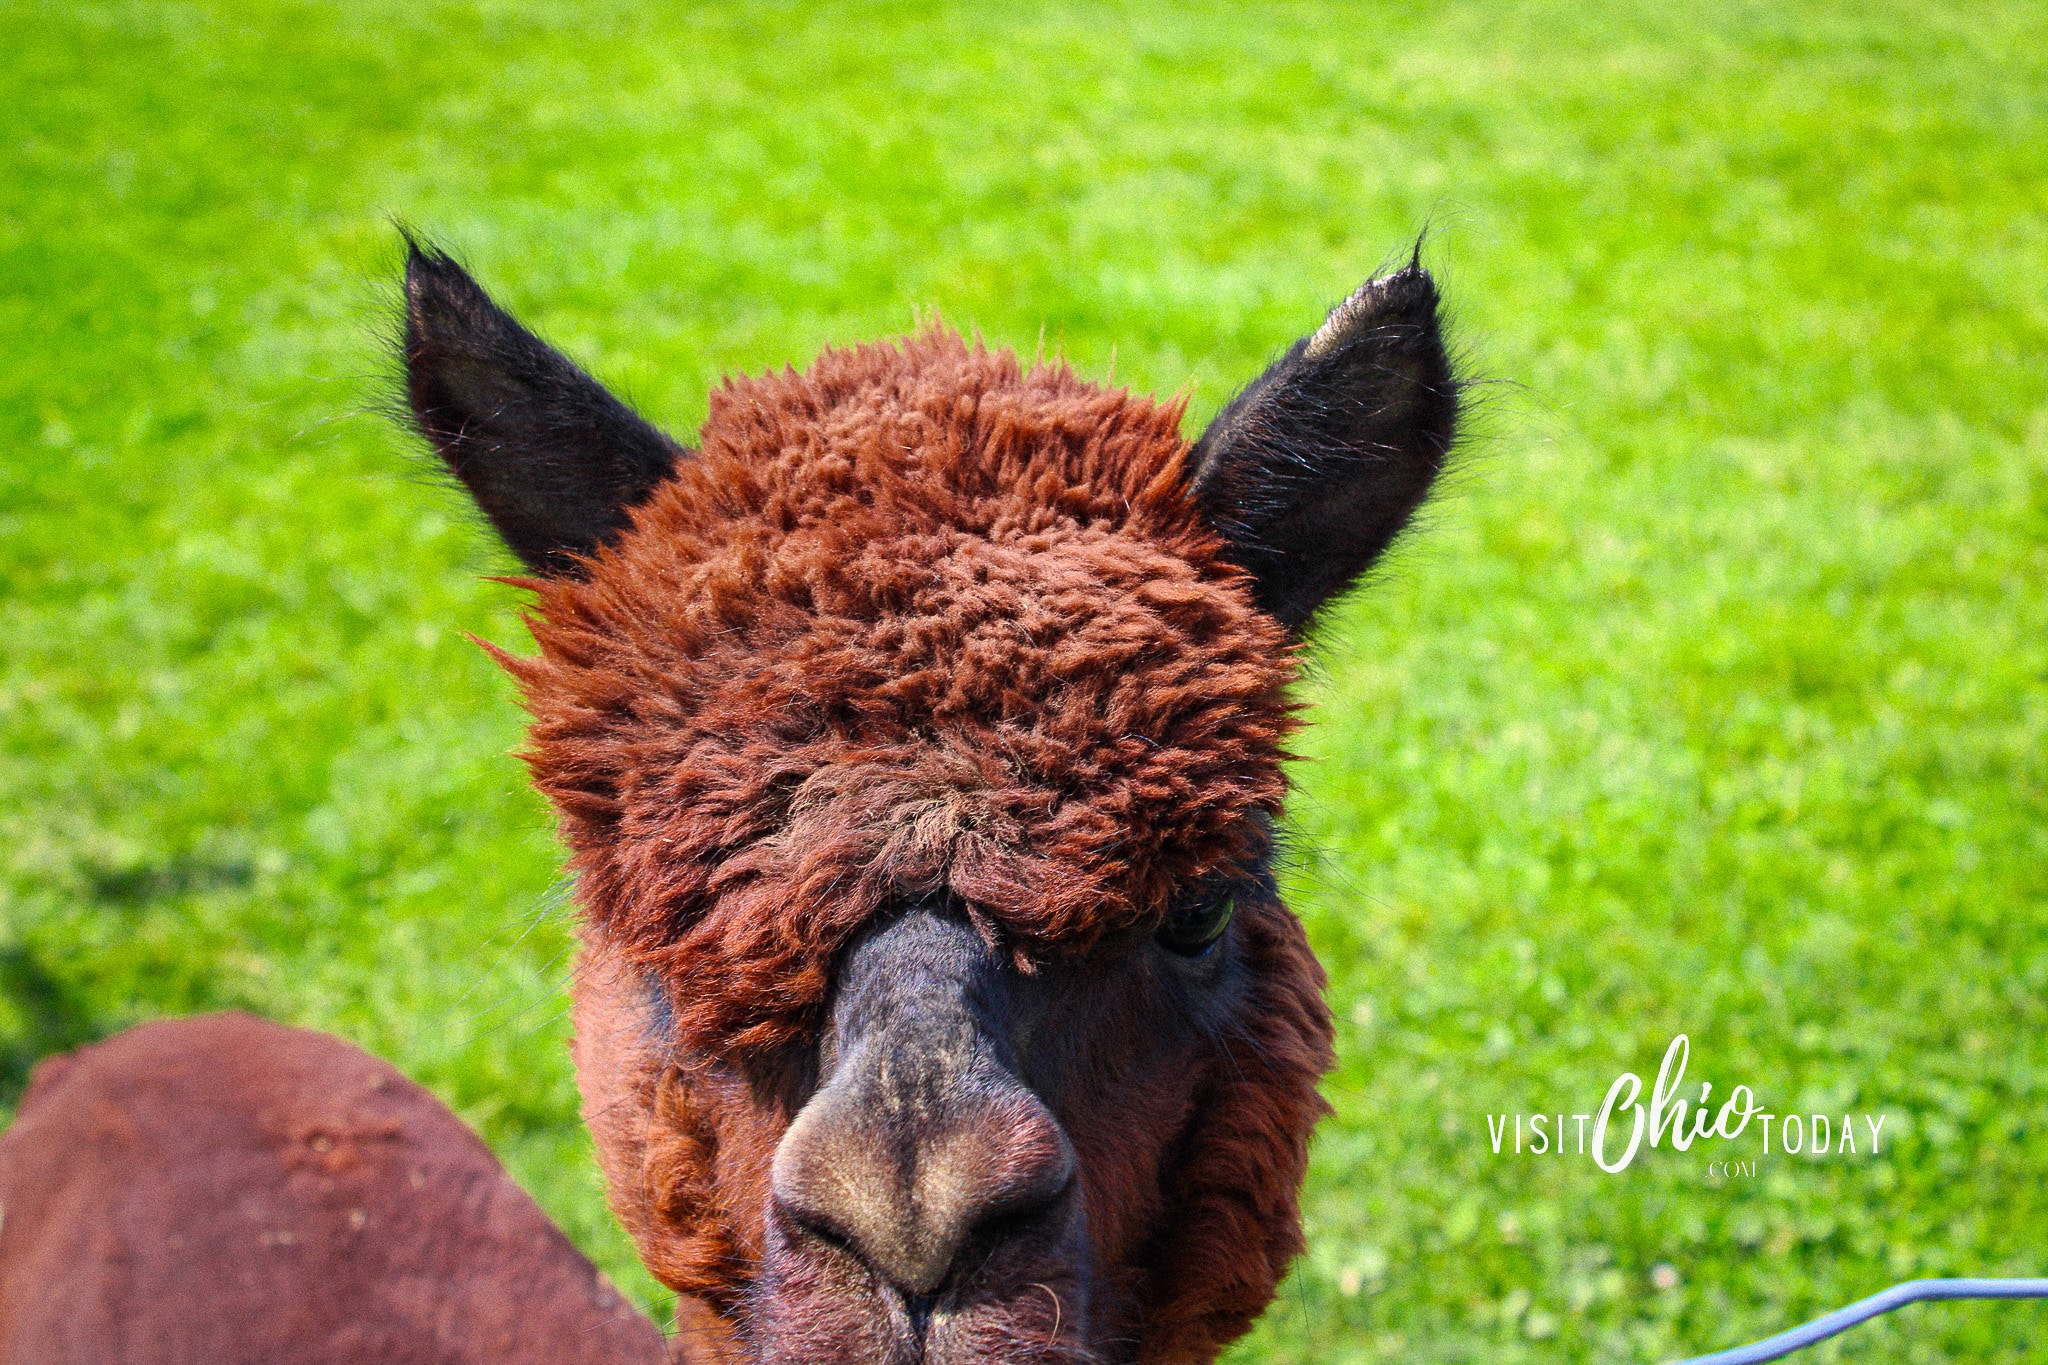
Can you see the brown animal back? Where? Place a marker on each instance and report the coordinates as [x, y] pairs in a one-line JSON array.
[[223, 1189]]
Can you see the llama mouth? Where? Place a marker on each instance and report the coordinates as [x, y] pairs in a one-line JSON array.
[[919, 1311], [886, 1330], [818, 1301]]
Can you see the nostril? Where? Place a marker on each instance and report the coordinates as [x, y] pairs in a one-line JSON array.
[[817, 1226], [1020, 1213]]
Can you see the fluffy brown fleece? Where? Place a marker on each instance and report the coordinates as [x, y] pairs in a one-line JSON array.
[[918, 619], [913, 620]]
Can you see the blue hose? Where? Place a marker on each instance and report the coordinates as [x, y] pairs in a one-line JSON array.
[[1842, 1319]]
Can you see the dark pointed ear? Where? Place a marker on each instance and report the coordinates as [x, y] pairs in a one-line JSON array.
[[554, 460], [1312, 471]]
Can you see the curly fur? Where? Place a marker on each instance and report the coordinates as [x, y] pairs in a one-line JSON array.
[[920, 619], [914, 620]]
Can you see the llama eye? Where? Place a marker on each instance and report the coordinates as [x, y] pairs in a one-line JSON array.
[[1194, 928]]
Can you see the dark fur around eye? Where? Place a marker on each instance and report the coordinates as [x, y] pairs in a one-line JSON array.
[[1196, 925]]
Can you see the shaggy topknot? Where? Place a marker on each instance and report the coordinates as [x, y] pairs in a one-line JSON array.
[[915, 622]]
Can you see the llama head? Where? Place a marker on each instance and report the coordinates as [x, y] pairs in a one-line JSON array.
[[918, 743]]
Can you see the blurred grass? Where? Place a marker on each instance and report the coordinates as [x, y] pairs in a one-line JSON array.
[[1714, 698]]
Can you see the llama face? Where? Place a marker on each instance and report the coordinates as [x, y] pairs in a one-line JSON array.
[[917, 740]]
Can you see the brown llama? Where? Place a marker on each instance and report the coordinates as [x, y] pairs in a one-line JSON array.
[[918, 742], [228, 1191]]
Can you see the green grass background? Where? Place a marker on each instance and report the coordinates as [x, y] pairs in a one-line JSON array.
[[1713, 697]]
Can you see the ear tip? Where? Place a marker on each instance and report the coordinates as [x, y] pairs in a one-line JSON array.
[[431, 268], [1407, 296], [439, 293], [1404, 290]]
